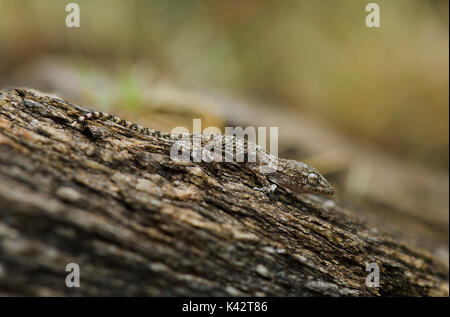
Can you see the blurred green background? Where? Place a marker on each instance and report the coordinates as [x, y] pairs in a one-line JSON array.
[[388, 84]]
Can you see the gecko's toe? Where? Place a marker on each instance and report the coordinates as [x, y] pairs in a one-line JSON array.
[[260, 189], [268, 190]]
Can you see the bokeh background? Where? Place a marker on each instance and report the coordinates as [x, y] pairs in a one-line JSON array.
[[369, 107]]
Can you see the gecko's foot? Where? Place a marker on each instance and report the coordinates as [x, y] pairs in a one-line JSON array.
[[272, 188], [268, 190]]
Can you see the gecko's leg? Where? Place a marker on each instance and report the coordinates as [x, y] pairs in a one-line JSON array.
[[267, 187]]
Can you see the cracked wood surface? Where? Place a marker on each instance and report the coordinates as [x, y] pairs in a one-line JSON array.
[[138, 223]]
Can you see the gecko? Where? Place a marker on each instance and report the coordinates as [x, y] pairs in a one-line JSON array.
[[270, 171]]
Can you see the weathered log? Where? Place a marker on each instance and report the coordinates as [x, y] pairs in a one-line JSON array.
[[138, 223]]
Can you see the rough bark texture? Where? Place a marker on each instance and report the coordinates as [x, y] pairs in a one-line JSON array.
[[137, 223]]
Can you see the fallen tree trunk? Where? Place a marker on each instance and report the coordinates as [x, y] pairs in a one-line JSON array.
[[137, 223]]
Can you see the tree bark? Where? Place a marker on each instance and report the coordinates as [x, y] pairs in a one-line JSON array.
[[138, 223]]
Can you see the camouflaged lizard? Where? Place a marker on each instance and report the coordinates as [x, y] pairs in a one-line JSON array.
[[269, 170]]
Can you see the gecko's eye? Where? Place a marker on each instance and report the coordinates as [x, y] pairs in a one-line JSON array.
[[313, 178]]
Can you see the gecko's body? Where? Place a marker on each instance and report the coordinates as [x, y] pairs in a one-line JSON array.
[[270, 170]]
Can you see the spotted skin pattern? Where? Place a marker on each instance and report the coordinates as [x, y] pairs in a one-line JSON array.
[[268, 169]]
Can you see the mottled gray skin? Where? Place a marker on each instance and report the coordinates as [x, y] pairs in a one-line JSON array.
[[300, 178], [269, 170]]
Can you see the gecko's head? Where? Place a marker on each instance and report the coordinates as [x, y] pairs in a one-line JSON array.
[[303, 178]]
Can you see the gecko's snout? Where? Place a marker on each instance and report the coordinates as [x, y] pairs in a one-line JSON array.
[[325, 186]]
